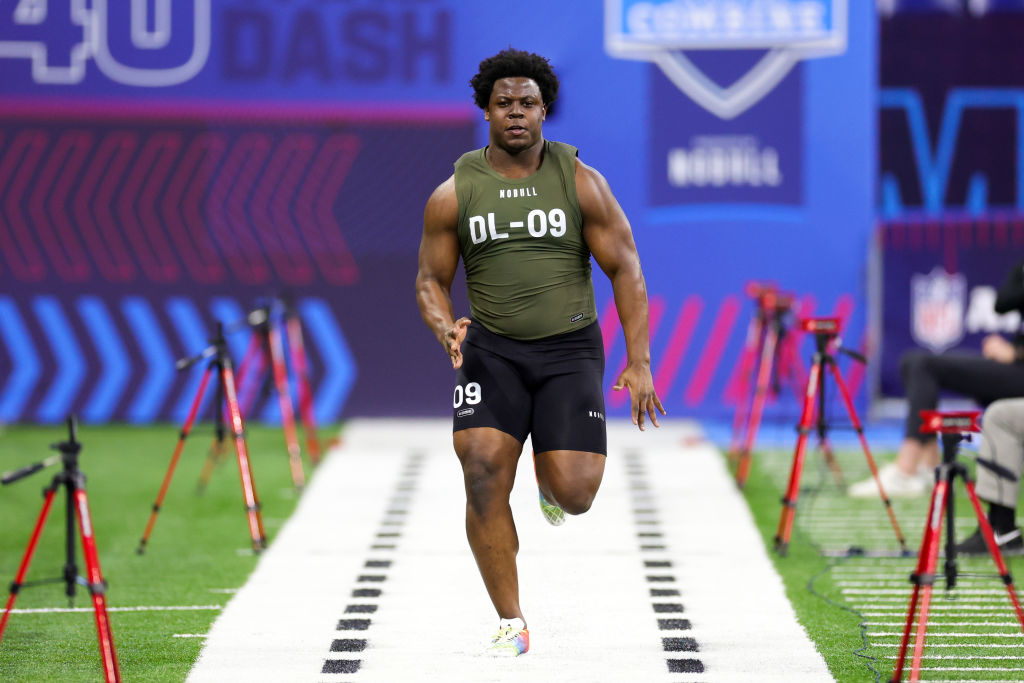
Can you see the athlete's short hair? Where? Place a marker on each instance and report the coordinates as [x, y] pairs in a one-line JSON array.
[[512, 63]]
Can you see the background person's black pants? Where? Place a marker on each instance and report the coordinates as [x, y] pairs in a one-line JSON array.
[[969, 374]]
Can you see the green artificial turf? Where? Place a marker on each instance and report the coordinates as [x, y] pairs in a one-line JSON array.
[[199, 551], [810, 577]]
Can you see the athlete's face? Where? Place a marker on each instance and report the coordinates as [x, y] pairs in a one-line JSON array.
[[515, 112]]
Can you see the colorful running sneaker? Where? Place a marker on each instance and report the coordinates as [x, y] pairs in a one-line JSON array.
[[554, 514], [512, 639]]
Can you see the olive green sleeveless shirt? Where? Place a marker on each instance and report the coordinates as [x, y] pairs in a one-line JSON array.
[[521, 240]]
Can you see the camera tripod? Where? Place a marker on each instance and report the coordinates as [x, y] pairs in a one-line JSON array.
[[72, 480], [770, 348], [954, 428], [826, 339], [265, 348], [220, 361]]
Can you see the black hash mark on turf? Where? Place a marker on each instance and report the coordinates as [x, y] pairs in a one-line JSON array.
[[394, 517], [353, 624], [341, 666], [646, 513], [364, 609], [662, 607], [679, 644], [348, 645], [678, 666], [673, 624]]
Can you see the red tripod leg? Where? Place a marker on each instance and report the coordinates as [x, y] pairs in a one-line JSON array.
[[764, 377], [993, 549], [921, 571], [252, 505], [284, 398], [298, 349], [196, 402], [935, 518], [845, 393], [785, 528], [751, 351], [830, 460], [96, 586], [253, 355], [33, 541]]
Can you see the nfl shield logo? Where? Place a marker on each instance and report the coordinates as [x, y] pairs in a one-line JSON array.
[[937, 303]]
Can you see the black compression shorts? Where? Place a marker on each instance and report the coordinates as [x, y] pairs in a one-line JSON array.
[[549, 388]]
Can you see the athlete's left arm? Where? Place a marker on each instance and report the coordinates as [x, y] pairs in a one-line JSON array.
[[607, 233]]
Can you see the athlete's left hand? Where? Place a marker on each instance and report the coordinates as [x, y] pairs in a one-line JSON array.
[[643, 399]]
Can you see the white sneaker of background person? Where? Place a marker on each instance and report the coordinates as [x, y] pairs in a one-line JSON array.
[[895, 483]]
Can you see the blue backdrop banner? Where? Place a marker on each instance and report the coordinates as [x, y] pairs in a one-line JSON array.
[[166, 164]]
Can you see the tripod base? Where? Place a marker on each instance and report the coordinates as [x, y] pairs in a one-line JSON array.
[[221, 364], [73, 482], [824, 360], [924, 576]]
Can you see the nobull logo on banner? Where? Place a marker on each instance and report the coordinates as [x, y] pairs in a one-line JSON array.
[[660, 31], [937, 306]]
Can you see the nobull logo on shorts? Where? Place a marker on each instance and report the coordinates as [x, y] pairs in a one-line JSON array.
[[937, 304], [660, 31]]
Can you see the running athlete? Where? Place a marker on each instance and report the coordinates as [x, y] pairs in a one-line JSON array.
[[525, 215]]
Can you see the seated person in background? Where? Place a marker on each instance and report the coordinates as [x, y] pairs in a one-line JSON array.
[[1002, 443], [997, 373]]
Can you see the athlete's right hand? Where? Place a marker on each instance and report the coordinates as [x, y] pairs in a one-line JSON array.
[[453, 339]]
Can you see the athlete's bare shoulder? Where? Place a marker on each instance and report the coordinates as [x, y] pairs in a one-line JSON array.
[[442, 209], [592, 190]]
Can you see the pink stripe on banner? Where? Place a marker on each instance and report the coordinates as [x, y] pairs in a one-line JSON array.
[[707, 364], [740, 379], [61, 252], [303, 148], [984, 232], [183, 211], [655, 311], [77, 252], [934, 234], [609, 320], [678, 342], [858, 371], [314, 208], [97, 191], [842, 309], [18, 241], [169, 145], [279, 239], [410, 114], [148, 245], [805, 306], [1000, 234], [950, 247]]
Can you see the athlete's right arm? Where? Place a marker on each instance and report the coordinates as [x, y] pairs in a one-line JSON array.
[[439, 257]]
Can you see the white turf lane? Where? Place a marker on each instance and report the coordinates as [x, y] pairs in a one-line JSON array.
[[583, 586]]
